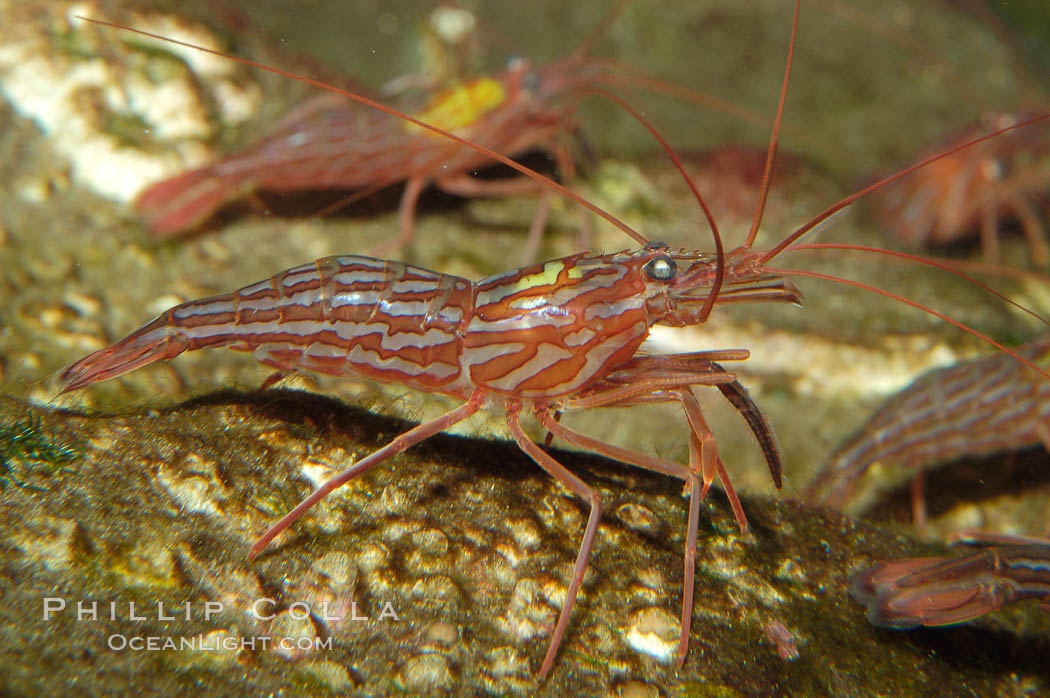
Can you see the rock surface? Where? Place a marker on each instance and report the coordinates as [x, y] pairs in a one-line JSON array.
[[440, 571]]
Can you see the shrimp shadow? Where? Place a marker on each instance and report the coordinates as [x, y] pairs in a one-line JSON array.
[[966, 480], [983, 649], [328, 417], [463, 460]]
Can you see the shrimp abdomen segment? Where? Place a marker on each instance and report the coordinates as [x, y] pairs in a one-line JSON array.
[[384, 320], [153, 342], [343, 316]]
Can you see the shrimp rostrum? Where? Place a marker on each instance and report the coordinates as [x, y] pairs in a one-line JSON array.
[[561, 335]]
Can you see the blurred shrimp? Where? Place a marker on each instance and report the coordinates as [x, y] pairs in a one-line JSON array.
[[975, 407], [976, 192], [938, 591], [332, 143]]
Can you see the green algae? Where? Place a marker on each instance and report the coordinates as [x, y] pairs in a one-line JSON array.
[[31, 455]]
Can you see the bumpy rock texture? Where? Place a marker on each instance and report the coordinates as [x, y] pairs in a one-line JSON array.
[[440, 571]]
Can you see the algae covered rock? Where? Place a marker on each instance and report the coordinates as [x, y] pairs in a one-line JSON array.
[[439, 572]]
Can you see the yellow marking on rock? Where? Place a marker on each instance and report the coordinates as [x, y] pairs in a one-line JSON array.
[[462, 105]]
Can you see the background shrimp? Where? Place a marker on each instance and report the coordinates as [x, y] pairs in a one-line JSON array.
[[967, 410], [977, 194], [330, 143], [981, 193], [939, 591]]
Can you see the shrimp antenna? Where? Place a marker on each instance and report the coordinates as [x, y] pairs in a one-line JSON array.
[[915, 304], [930, 261], [787, 244], [774, 142], [588, 44], [488, 152], [624, 74], [835, 208], [995, 270]]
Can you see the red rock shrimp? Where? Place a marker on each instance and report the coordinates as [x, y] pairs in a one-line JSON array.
[[977, 192], [332, 143], [983, 191]]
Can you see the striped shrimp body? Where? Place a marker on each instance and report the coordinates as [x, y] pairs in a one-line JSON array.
[[937, 591], [540, 332], [560, 335], [976, 407], [333, 143]]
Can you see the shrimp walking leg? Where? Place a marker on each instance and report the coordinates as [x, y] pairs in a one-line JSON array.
[[399, 444], [580, 488], [689, 475]]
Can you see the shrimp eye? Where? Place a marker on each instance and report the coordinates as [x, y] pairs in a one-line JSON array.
[[661, 268], [531, 81], [530, 78]]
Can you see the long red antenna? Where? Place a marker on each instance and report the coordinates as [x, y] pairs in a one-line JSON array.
[[771, 155], [835, 208], [951, 268], [915, 304], [614, 14]]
